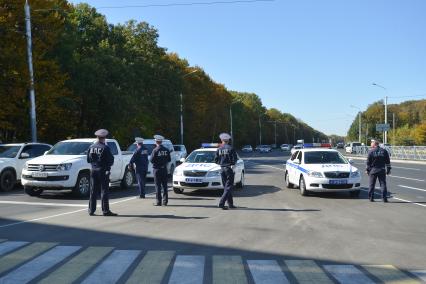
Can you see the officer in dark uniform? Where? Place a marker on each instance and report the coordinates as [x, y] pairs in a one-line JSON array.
[[226, 157], [378, 166], [140, 159], [160, 157], [100, 157]]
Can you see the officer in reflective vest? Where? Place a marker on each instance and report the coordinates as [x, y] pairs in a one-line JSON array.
[[160, 158], [378, 166], [100, 157], [226, 157], [140, 160]]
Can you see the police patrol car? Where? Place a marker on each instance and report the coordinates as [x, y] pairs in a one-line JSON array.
[[199, 171], [318, 168]]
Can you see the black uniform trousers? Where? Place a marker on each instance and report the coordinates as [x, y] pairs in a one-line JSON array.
[[228, 176], [100, 185], [381, 176], [141, 178], [160, 180]]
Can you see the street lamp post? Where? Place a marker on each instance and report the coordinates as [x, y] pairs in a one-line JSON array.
[[231, 120], [385, 135], [181, 108], [359, 120]]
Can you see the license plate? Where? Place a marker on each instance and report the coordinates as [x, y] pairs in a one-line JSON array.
[[39, 175], [340, 181], [193, 180]]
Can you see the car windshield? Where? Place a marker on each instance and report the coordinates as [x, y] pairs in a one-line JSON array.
[[178, 148], [70, 148], [201, 157], [324, 157], [9, 151], [150, 147]]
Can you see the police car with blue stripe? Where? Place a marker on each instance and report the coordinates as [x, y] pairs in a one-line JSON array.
[[318, 168], [199, 171]]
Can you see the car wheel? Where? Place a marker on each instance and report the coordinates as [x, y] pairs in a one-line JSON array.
[[127, 180], [178, 190], [240, 185], [82, 186], [7, 180], [32, 191], [287, 181], [302, 186], [355, 193]]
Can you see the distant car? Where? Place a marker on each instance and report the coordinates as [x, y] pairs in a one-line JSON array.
[[180, 152], [351, 147], [265, 149], [285, 147], [296, 147], [247, 149], [340, 145]]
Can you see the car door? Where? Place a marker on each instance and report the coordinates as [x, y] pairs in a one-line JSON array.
[[239, 169], [290, 169], [116, 168], [294, 176]]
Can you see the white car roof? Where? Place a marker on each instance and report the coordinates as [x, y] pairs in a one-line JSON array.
[[23, 144], [206, 149], [318, 150], [91, 140], [152, 141]]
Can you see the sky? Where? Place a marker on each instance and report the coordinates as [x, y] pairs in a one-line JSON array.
[[315, 59]]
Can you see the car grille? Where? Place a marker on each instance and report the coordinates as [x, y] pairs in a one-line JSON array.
[[49, 178], [46, 168], [200, 184], [337, 186], [336, 174], [194, 173]]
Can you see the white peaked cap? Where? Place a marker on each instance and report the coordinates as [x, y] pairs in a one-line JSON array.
[[225, 137], [101, 133], [139, 140], [158, 138]]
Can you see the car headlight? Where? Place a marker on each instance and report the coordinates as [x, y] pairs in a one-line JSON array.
[[355, 174], [64, 167], [315, 174], [25, 166], [213, 173], [178, 172]]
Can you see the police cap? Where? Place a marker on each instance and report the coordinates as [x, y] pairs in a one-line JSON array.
[[225, 137], [102, 133], [158, 138], [139, 140]]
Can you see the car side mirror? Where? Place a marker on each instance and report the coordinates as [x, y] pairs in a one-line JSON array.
[[296, 161], [45, 153], [24, 156], [182, 160], [351, 161]]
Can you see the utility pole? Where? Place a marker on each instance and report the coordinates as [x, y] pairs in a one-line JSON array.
[[230, 115], [359, 130], [33, 120], [393, 131], [386, 120], [181, 118], [260, 132]]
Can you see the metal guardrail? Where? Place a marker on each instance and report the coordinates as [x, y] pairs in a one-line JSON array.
[[414, 153]]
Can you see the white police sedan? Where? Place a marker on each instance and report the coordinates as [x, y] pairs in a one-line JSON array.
[[199, 171], [317, 168]]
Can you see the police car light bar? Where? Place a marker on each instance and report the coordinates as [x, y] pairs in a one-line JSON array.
[[210, 145], [317, 145]]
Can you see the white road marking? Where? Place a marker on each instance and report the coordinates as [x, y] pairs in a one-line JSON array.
[[59, 215], [266, 272], [188, 269], [421, 274], [404, 168], [415, 179], [7, 247], [400, 199], [415, 188], [37, 266], [348, 274], [111, 270], [43, 204]]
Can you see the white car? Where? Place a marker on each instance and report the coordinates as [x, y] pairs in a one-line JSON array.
[[150, 145], [322, 170], [285, 147], [65, 166], [12, 161], [351, 147], [180, 152], [295, 148], [199, 171], [265, 149]]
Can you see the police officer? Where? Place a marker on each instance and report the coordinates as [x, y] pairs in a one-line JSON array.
[[378, 166], [100, 157], [160, 157], [226, 157], [140, 159]]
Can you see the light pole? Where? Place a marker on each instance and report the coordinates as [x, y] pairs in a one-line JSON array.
[[181, 107], [359, 118], [231, 120], [385, 135]]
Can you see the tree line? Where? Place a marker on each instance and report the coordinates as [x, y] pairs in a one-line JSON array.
[[409, 127], [91, 74]]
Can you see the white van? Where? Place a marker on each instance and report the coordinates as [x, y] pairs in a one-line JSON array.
[[351, 147]]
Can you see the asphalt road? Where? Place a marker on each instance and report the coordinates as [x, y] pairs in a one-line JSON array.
[[275, 235]]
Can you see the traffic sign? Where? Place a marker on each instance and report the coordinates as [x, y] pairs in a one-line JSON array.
[[382, 127]]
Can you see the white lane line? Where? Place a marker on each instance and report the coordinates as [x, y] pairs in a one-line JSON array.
[[404, 168], [400, 199], [37, 266], [188, 269], [7, 247], [415, 188], [59, 215], [111, 270], [43, 204], [415, 179], [266, 272], [421, 274], [348, 274]]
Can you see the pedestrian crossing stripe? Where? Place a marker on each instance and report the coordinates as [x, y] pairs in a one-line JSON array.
[[46, 263]]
